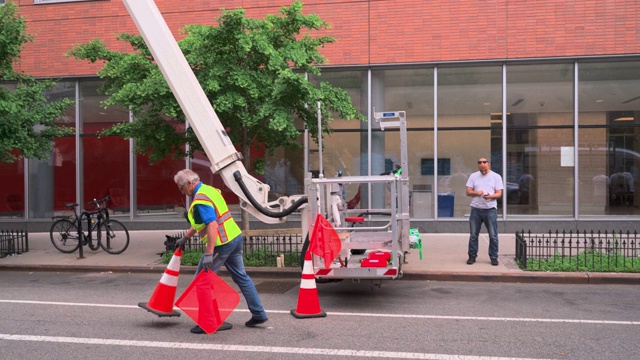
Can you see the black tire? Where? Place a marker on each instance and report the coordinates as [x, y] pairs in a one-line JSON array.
[[64, 236], [114, 237]]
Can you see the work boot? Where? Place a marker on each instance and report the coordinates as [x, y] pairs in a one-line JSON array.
[[198, 330], [494, 262], [255, 322], [472, 259]]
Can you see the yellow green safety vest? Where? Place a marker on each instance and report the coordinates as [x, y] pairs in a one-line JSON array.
[[227, 227]]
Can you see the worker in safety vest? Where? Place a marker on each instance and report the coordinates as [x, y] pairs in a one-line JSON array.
[[210, 217]]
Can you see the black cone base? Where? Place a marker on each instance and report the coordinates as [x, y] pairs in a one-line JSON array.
[[159, 313], [307, 316]]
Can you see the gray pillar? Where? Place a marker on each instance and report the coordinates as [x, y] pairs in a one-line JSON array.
[[377, 139], [40, 189], [364, 141]]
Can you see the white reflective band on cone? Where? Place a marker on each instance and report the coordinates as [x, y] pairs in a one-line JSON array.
[[308, 284], [307, 268], [169, 280], [174, 264]]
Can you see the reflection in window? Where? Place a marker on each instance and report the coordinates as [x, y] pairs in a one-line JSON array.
[[12, 189], [105, 160], [609, 129], [539, 127], [468, 100], [409, 90], [52, 182], [155, 191]]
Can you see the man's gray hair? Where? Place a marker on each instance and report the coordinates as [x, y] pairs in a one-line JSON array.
[[184, 176]]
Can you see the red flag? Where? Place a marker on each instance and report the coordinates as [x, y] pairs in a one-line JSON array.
[[208, 301], [325, 241]]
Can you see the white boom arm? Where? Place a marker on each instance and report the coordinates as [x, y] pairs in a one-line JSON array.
[[202, 118]]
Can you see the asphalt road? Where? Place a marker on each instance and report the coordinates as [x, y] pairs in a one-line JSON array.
[[95, 316]]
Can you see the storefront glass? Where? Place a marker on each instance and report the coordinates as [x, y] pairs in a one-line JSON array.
[[105, 159], [52, 181], [12, 189], [540, 144], [345, 150], [609, 137], [410, 90], [469, 104]]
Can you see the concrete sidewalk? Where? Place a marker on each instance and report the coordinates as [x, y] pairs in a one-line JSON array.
[[444, 259]]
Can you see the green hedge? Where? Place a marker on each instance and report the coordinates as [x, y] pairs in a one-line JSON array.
[[590, 260]]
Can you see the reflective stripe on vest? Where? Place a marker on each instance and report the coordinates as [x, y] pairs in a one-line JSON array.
[[227, 227]]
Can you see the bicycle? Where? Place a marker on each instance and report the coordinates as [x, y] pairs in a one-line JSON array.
[[65, 235]]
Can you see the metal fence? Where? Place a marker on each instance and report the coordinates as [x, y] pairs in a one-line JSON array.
[[262, 247], [13, 242], [578, 251]]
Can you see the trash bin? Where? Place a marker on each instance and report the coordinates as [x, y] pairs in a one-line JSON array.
[[445, 204]]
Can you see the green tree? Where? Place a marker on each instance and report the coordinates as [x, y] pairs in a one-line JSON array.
[[252, 71], [27, 126]]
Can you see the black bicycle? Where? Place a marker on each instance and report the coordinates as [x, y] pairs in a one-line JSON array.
[[110, 235]]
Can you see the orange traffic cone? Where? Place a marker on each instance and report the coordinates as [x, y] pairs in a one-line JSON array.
[[308, 301], [161, 302]]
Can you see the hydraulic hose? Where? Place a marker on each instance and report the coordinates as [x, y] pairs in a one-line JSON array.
[[262, 209]]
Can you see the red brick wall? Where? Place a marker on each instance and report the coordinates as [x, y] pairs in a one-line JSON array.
[[368, 31]]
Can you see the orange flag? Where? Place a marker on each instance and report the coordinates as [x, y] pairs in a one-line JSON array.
[[325, 241], [208, 301]]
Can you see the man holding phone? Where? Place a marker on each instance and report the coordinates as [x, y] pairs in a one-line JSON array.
[[485, 188]]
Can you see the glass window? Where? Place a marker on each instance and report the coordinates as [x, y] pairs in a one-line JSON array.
[[156, 192], [12, 189], [105, 159], [609, 135], [346, 149], [284, 172], [469, 115], [52, 182], [409, 90], [540, 181]]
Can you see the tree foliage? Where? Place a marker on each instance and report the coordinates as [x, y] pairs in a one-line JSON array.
[[27, 126], [252, 71]]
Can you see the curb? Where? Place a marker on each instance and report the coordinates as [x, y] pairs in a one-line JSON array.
[[256, 272], [585, 278]]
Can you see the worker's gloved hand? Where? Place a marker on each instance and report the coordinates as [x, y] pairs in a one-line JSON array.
[[207, 262], [180, 243]]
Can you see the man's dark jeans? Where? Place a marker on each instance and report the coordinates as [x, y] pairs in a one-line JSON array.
[[490, 219]]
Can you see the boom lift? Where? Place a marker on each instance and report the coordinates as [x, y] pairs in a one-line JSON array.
[[389, 240]]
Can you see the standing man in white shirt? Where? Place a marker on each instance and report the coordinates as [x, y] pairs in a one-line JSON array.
[[485, 188]]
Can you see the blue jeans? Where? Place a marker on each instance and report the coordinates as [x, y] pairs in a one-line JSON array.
[[230, 254], [490, 219]]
